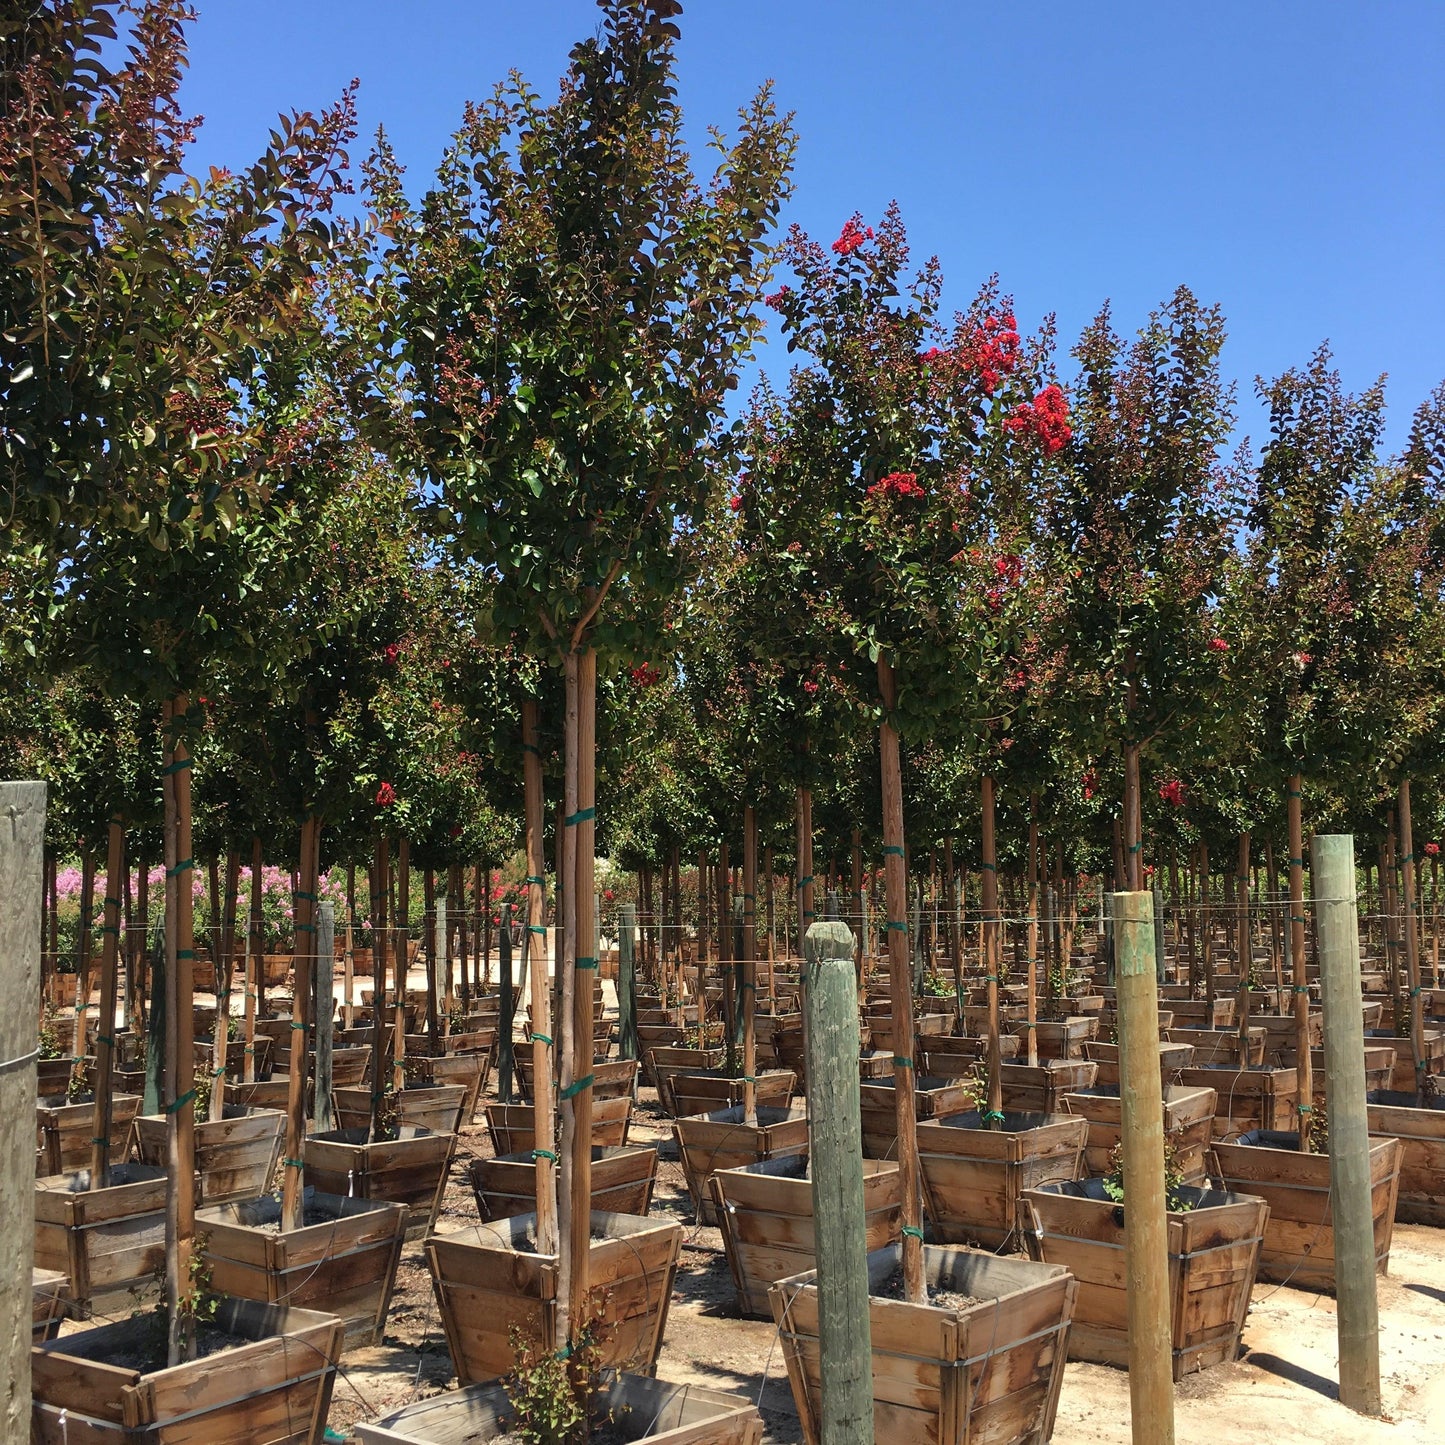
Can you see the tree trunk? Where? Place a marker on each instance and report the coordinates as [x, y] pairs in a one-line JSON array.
[[1303, 1065], [293, 1165], [105, 1033], [896, 888], [544, 1155], [750, 968], [380, 892], [992, 953], [1412, 936]]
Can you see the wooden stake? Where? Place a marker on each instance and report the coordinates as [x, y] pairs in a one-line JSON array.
[[1033, 951], [992, 955], [1412, 936], [304, 968], [836, 1145], [401, 964], [22, 890], [1146, 1246], [544, 1155], [348, 966], [1242, 946], [255, 963], [507, 1010], [105, 1034], [1304, 1067], [180, 1033], [1357, 1312], [325, 993], [750, 967], [627, 981], [895, 876], [380, 872]]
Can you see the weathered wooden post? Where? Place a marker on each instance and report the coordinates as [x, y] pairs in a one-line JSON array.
[[1332, 868], [1146, 1246], [1158, 933], [22, 842], [325, 996], [627, 981], [507, 1009], [836, 1152]]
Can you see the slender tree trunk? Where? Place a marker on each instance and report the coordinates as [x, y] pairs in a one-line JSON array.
[[105, 1033], [1243, 949], [180, 1031], [1304, 1063], [225, 938], [543, 1105], [992, 953], [896, 887], [1033, 927], [380, 894], [1412, 936], [292, 1168], [750, 969], [402, 963]]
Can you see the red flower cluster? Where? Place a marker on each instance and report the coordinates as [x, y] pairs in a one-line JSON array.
[[991, 349], [1173, 793], [391, 652], [1304, 658], [993, 599], [646, 675], [811, 688], [736, 503], [385, 795], [1009, 567], [1089, 782], [1046, 417], [1432, 850], [1218, 644], [853, 236], [898, 485], [778, 297]]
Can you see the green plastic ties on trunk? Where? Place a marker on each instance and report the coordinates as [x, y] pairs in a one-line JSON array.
[[572, 1090], [181, 1103], [544, 1154], [583, 964], [900, 1062], [912, 1232], [184, 866], [583, 815], [177, 767], [541, 1039], [892, 850]]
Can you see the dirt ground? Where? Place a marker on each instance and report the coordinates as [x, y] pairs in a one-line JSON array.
[[1283, 1389]]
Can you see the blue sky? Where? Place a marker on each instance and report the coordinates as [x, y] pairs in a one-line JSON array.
[[1281, 158]]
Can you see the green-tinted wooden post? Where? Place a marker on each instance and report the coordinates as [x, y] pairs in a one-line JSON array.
[[1158, 934], [1146, 1243], [835, 1124], [1357, 1315], [508, 1008], [325, 990], [157, 1094], [627, 981], [22, 870]]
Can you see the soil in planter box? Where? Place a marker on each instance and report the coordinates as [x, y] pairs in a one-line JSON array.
[[142, 1347], [939, 1298]]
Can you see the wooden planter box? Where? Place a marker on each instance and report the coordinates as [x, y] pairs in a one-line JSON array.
[[1248, 1098], [1172, 1058], [766, 1215], [952, 1056], [1221, 1046], [1419, 1125], [342, 1260], [615, 1080], [438, 1110], [236, 1155], [205, 1057], [349, 1067], [1213, 1254], [987, 1374], [973, 1177], [262, 1094], [923, 1025], [697, 1092], [932, 1099], [276, 1388], [1038, 1091], [1200, 1014], [651, 1037], [640, 1407], [1403, 1079], [1063, 1039], [102, 1240], [410, 1170], [52, 1076], [469, 1070], [622, 1180], [1379, 1069], [66, 1128], [48, 1289], [459, 1041], [513, 1127], [489, 1280], [875, 1064], [1281, 1031], [1299, 1240], [664, 1064], [1188, 1126], [709, 1142]]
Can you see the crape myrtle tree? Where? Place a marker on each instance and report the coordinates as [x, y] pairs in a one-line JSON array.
[[141, 423], [571, 304], [1293, 610], [1140, 527], [909, 432]]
